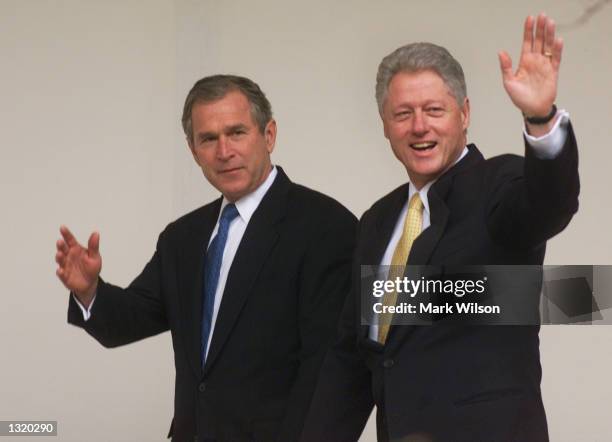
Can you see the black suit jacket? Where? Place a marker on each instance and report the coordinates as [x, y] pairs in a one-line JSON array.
[[278, 314], [448, 382]]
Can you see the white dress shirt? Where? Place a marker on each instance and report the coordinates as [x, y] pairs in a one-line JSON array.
[[246, 207], [545, 147]]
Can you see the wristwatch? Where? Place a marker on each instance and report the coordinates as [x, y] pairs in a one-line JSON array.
[[542, 120]]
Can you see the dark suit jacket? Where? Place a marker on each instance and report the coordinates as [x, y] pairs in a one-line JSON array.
[[448, 382], [278, 314]]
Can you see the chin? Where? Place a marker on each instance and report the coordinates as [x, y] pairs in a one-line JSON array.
[[234, 194], [426, 171]]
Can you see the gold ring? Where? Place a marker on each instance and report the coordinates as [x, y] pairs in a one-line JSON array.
[[548, 54]]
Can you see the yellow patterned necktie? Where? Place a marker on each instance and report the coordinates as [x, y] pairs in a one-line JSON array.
[[412, 229]]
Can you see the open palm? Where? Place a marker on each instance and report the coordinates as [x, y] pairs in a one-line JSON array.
[[79, 267], [533, 87]]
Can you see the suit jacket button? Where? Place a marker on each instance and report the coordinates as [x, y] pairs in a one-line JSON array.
[[388, 363], [202, 387]]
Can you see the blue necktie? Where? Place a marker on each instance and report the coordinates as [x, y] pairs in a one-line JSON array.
[[214, 256]]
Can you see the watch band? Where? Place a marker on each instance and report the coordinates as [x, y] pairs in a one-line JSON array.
[[542, 120]]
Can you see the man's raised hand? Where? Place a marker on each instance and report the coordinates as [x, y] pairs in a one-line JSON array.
[[533, 87], [79, 267]]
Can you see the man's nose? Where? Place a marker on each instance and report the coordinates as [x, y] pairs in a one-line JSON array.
[[223, 148], [419, 124]]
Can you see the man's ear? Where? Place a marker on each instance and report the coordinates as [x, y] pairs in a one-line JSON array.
[[270, 135], [192, 150], [382, 118], [385, 129], [465, 114]]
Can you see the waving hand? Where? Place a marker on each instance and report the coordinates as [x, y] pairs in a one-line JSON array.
[[533, 86], [79, 267]]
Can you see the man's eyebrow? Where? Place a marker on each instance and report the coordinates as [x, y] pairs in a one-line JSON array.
[[435, 103], [235, 127], [207, 135]]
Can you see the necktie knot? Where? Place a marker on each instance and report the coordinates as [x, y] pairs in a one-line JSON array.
[[415, 203], [227, 215]]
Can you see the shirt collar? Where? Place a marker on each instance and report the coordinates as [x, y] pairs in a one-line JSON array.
[[423, 192], [248, 204]]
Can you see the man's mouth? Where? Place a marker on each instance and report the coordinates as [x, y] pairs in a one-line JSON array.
[[233, 169], [426, 145]]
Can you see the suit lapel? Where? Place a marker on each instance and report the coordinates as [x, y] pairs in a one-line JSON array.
[[425, 244], [190, 280], [376, 241], [385, 223], [258, 240]]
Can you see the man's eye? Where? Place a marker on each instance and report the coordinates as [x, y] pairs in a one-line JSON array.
[[436, 111], [234, 133]]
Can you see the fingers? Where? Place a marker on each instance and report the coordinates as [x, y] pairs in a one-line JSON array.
[[68, 236], [76, 264], [549, 37], [61, 246], [60, 259], [505, 64], [93, 245], [63, 275], [62, 251], [61, 271], [540, 33], [539, 39], [544, 42], [528, 35], [557, 50]]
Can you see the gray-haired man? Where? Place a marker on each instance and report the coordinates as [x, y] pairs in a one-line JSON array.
[[447, 382]]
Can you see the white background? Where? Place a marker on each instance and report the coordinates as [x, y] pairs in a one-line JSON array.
[[90, 101]]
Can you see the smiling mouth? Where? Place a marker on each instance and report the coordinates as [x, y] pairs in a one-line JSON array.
[[424, 146]]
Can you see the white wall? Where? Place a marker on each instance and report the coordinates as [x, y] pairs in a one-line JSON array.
[[88, 127], [90, 137]]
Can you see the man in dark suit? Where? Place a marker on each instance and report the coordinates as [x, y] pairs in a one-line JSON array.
[[250, 285], [447, 381]]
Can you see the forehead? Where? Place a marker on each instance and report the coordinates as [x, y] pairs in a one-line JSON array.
[[408, 87], [233, 108]]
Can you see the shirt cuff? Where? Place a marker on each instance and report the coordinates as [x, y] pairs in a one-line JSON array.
[[86, 311], [549, 146]]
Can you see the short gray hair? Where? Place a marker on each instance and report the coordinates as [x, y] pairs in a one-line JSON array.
[[415, 57], [216, 87]]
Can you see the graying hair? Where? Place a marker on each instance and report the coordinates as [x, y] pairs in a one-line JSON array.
[[215, 87], [415, 57]]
